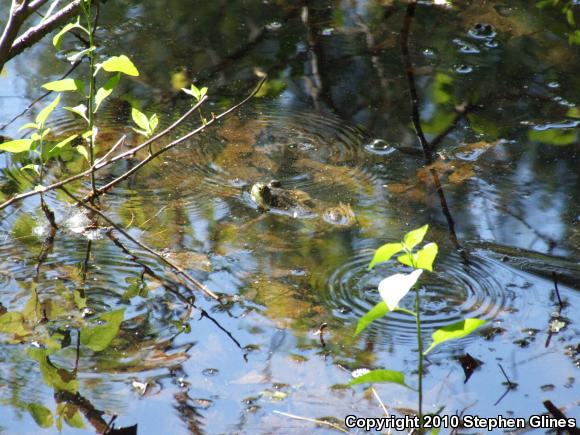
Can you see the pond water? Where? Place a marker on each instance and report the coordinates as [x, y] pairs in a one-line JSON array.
[[498, 94]]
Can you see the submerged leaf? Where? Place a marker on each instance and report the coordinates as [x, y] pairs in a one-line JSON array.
[[99, 337], [391, 376]]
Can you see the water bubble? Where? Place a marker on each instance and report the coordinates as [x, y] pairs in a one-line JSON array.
[[491, 44], [465, 47], [428, 52], [210, 372], [463, 69], [553, 85], [482, 31], [274, 25], [327, 32], [379, 147]]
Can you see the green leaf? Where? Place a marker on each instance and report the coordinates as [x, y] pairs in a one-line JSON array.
[[12, 322], [45, 113], [64, 142], [80, 110], [64, 85], [407, 259], [57, 39], [391, 376], [426, 256], [41, 415], [153, 122], [29, 125], [456, 330], [17, 146], [202, 92], [376, 312], [106, 90], [413, 238], [82, 150], [573, 112], [555, 136], [140, 118], [120, 64], [31, 167], [57, 378], [76, 56], [100, 337], [384, 253]]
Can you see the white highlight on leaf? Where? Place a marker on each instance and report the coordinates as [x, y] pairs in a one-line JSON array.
[[395, 287]]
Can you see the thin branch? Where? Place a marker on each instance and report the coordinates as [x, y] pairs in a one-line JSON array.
[[312, 420], [167, 147], [36, 33], [42, 97], [172, 265], [411, 81]]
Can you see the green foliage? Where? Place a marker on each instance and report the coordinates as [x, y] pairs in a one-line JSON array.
[[390, 376], [65, 85], [378, 311], [384, 253], [106, 90], [17, 146], [454, 331], [413, 238], [41, 415], [196, 93], [147, 125], [99, 337], [120, 64]]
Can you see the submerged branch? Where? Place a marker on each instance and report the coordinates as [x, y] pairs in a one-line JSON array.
[[164, 260]]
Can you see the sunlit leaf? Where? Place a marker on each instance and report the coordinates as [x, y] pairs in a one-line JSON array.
[[82, 150], [57, 39], [41, 415], [17, 146], [407, 259], [99, 337], [29, 125], [120, 64], [395, 287], [78, 55], [378, 311], [426, 256], [153, 122], [140, 118], [64, 85], [456, 330], [31, 167], [70, 414], [390, 376], [413, 238], [64, 142], [384, 253], [45, 113], [80, 110], [106, 90]]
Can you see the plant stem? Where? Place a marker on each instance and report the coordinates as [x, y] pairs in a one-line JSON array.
[[91, 97], [420, 363]]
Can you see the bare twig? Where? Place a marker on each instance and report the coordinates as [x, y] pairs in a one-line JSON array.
[[312, 420], [172, 265], [36, 33]]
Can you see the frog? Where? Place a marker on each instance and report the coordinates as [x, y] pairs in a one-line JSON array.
[[272, 196]]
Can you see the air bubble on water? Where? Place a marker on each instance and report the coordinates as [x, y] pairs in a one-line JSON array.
[[210, 372], [466, 48], [327, 32], [553, 85], [274, 25], [482, 31], [379, 147], [463, 69], [491, 44], [428, 52]]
